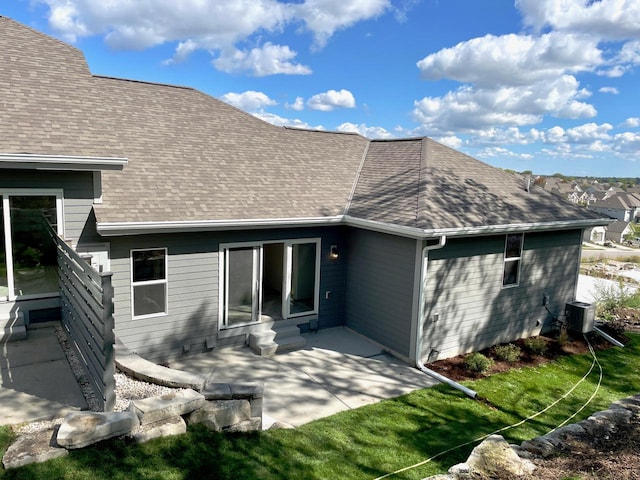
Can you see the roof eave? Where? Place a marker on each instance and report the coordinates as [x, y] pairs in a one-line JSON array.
[[112, 229], [109, 229], [60, 162]]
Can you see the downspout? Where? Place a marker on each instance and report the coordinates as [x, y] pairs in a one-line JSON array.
[[420, 325]]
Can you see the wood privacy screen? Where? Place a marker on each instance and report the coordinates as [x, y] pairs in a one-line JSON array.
[[86, 298]]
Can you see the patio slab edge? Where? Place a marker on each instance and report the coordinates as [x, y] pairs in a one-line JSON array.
[[137, 367]]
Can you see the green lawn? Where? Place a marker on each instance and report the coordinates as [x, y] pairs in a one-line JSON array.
[[370, 441]]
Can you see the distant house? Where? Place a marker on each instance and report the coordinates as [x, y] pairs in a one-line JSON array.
[[621, 206], [617, 230], [595, 235], [217, 226]]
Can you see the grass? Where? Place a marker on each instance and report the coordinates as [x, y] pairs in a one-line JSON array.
[[367, 442]]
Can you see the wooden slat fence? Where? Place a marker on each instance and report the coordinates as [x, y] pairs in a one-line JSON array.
[[86, 297]]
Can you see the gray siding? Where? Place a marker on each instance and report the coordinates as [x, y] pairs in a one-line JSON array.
[[77, 191], [380, 288], [193, 290], [463, 290]]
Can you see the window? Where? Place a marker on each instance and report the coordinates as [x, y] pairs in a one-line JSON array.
[[512, 257], [28, 257], [149, 282]]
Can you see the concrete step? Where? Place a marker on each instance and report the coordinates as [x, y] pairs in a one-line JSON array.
[[12, 327], [289, 344], [280, 338]]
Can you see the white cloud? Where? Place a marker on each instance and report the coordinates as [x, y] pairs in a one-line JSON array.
[[288, 122], [632, 122], [450, 141], [500, 152], [249, 101], [588, 132], [627, 143], [610, 19], [183, 50], [611, 90], [364, 130], [512, 59], [324, 17], [471, 109], [297, 105], [261, 61], [216, 26], [331, 99]]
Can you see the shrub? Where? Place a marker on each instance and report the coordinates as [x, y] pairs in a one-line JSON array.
[[508, 353], [477, 362], [563, 336], [536, 345]]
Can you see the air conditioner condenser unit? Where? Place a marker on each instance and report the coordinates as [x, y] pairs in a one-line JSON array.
[[580, 316]]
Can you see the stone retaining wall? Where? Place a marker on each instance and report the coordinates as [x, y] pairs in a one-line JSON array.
[[219, 407]]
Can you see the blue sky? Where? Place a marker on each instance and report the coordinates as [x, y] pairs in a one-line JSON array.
[[542, 85]]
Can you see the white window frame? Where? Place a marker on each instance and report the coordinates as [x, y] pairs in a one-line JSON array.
[[286, 307], [5, 194], [286, 277], [517, 259], [164, 281]]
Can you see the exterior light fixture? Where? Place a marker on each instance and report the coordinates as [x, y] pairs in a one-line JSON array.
[[333, 252]]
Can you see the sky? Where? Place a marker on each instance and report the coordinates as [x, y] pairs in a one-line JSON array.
[[550, 86]]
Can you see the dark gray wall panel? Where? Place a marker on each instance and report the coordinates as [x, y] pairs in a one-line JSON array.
[[380, 278], [193, 289], [466, 306]]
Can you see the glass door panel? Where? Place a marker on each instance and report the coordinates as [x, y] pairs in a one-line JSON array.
[[4, 285], [35, 262], [303, 278], [242, 285]]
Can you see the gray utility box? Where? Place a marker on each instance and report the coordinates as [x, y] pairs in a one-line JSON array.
[[580, 316]]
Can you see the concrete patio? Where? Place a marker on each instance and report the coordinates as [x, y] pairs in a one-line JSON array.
[[337, 370], [36, 379]]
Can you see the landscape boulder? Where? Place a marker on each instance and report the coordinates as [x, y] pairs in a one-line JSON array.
[[80, 429], [162, 407], [33, 448]]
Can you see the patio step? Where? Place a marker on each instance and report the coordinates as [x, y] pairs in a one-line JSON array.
[[278, 339], [12, 327]]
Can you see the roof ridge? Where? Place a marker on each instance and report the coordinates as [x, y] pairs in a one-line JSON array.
[[356, 178], [422, 180], [316, 130], [146, 82]]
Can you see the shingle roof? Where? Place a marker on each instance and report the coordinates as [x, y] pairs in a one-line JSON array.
[[620, 201], [195, 158], [427, 185]]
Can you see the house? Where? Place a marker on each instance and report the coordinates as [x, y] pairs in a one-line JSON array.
[[621, 206], [217, 226], [616, 231], [595, 235]]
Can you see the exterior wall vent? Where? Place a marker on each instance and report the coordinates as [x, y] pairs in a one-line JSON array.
[[580, 316]]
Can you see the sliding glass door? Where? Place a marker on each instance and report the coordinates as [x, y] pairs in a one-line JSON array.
[[242, 290], [28, 261], [276, 279]]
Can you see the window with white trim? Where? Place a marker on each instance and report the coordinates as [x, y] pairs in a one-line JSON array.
[[512, 258], [149, 282]]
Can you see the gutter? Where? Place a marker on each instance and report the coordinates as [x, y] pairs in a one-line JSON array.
[[418, 361], [140, 228], [61, 162]]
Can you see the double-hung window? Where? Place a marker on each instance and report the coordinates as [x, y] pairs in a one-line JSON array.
[[512, 258], [149, 282]]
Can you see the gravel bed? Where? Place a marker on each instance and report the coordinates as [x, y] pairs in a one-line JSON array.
[[127, 389]]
